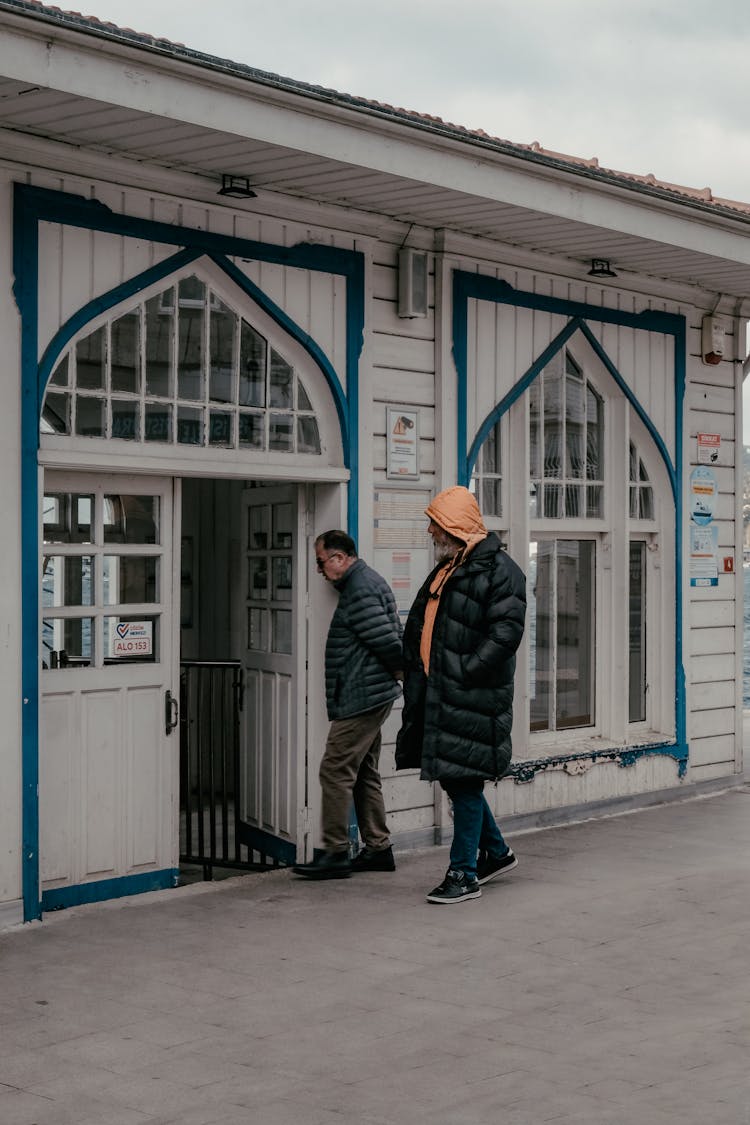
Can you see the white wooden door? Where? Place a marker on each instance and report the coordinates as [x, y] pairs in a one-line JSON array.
[[108, 765], [272, 756]]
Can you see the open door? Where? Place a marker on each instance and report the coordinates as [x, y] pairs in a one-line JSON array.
[[109, 748], [273, 657]]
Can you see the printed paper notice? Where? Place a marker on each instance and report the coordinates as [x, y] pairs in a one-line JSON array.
[[704, 547]]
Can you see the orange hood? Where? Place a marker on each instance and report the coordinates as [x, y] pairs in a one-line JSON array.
[[457, 512]]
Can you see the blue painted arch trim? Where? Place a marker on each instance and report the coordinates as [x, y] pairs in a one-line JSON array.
[[472, 286], [33, 205]]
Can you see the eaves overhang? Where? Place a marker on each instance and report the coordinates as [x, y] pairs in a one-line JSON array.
[[93, 86]]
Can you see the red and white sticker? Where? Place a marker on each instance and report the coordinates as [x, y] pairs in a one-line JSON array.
[[132, 638]]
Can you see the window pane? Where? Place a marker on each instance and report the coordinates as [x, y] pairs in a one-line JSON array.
[[89, 416], [67, 517], [282, 630], [160, 345], [56, 413], [189, 425], [647, 504], [67, 580], [573, 495], [491, 497], [282, 525], [257, 532], [59, 377], [223, 324], [90, 361], [574, 428], [126, 357], [131, 519], [595, 502], [129, 579], [158, 424], [258, 578], [252, 431], [534, 427], [303, 402], [594, 435], [282, 383], [637, 634], [220, 427], [540, 631], [308, 438], [575, 634], [252, 367], [282, 579], [257, 629], [191, 318], [280, 432], [553, 392], [126, 420], [67, 643], [552, 506]]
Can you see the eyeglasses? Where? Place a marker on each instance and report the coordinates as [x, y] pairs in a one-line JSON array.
[[320, 563]]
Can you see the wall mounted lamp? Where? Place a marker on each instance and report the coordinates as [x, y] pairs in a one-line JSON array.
[[236, 186], [600, 267]]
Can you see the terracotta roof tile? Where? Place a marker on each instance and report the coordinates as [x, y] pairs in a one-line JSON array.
[[535, 149]]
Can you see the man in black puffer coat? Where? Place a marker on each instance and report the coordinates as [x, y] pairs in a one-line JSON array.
[[460, 643], [364, 663]]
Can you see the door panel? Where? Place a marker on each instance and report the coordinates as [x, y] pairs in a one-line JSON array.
[[108, 770], [273, 711]]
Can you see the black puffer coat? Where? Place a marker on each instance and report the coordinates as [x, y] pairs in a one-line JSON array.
[[457, 721], [363, 649]]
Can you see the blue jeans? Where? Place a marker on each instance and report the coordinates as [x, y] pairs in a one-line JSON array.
[[474, 825]]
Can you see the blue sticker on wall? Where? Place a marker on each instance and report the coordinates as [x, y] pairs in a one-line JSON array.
[[704, 489]]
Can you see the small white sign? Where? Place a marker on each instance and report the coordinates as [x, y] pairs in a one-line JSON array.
[[132, 638], [402, 443], [709, 446]]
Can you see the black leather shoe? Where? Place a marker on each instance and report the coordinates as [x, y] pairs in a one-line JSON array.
[[369, 860], [326, 865]]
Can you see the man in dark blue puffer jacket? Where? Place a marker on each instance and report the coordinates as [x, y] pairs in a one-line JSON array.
[[363, 668]]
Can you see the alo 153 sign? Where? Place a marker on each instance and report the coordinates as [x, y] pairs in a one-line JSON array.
[[131, 638]]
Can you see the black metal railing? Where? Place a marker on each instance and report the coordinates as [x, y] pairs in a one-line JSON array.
[[211, 698]]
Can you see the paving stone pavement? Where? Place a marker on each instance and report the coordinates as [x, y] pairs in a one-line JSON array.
[[603, 982]]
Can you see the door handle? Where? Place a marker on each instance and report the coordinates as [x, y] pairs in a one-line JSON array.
[[171, 712]]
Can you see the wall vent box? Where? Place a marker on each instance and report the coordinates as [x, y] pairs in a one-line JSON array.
[[713, 342], [412, 283]]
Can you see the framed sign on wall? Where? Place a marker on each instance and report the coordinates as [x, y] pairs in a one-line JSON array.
[[402, 443]]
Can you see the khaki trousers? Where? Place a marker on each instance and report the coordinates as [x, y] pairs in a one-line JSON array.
[[349, 772]]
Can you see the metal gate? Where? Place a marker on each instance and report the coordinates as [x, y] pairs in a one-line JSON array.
[[211, 700]]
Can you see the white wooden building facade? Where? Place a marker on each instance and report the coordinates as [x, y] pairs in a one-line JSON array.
[[195, 385]]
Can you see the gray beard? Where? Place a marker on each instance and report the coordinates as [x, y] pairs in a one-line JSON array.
[[444, 552]]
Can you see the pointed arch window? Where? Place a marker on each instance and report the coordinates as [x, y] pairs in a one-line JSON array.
[[566, 443], [183, 368]]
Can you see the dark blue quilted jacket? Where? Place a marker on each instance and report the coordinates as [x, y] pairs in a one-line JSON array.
[[363, 650]]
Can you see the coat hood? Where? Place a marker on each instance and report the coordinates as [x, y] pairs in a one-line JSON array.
[[457, 512]]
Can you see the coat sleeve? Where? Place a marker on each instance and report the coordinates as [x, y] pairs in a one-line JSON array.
[[374, 619], [504, 613]]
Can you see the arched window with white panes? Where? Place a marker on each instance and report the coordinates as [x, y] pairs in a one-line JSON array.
[[184, 369], [598, 533]]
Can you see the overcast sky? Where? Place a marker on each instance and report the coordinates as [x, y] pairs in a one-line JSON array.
[[646, 86]]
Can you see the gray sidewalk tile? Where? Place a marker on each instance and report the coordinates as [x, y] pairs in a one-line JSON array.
[[603, 983]]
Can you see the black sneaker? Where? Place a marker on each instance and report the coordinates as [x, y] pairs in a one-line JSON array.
[[326, 865], [455, 887], [370, 860], [490, 866]]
